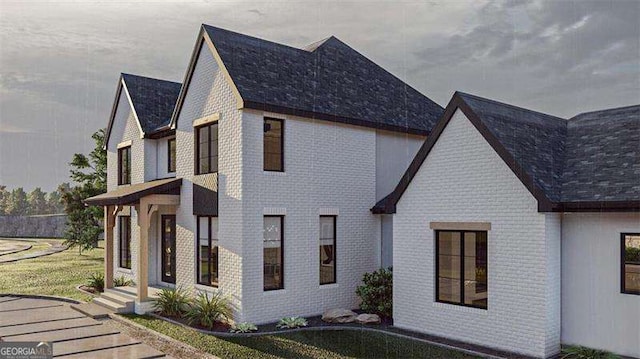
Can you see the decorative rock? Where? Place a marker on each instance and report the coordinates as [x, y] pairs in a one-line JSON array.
[[339, 316], [368, 319]]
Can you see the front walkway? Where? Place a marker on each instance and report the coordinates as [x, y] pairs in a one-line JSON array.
[[54, 246], [73, 334]]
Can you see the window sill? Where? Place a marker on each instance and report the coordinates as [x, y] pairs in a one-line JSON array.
[[274, 292], [460, 308], [329, 286], [274, 173], [124, 270], [206, 288]]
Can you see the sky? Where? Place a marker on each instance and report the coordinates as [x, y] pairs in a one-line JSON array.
[[60, 61]]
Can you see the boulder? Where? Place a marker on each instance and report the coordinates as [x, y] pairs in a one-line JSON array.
[[368, 319], [339, 316]]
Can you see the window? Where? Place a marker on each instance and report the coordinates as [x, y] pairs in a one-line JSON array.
[[208, 251], [327, 249], [461, 268], [630, 263], [273, 145], [273, 261], [207, 148], [124, 165], [124, 240], [171, 156]]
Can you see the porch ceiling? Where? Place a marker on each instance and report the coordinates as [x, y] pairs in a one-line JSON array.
[[131, 194]]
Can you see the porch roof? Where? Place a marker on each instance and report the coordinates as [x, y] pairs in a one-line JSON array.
[[131, 194]]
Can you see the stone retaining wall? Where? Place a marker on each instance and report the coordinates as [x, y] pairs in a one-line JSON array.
[[44, 226]]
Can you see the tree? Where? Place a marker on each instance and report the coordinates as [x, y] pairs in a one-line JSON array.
[[54, 199], [37, 201], [18, 205], [4, 199], [84, 224]]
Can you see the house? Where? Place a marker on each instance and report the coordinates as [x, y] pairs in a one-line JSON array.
[[256, 175], [510, 229]]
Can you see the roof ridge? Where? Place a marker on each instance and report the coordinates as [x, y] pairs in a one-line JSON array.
[[603, 110], [252, 37], [150, 78], [506, 104], [314, 45]]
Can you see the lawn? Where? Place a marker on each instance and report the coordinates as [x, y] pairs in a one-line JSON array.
[[304, 344], [56, 274]]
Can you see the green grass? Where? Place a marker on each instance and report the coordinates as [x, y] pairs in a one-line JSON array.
[[56, 274], [303, 344]]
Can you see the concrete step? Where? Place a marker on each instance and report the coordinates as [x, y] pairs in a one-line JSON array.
[[118, 296], [126, 290], [113, 306], [91, 310]]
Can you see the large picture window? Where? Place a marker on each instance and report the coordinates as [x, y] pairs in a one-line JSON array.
[[208, 251], [327, 249], [273, 144], [124, 165], [207, 148], [461, 268], [273, 258], [124, 241], [630, 260], [171, 155]]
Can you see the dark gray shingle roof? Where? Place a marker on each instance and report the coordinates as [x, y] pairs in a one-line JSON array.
[[589, 162], [328, 78], [152, 99]]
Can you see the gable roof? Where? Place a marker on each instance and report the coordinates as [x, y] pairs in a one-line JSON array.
[[152, 101], [588, 163], [327, 80]]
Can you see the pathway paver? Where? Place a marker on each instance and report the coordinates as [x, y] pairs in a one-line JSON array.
[[37, 315], [28, 303], [65, 334], [88, 345], [137, 351], [47, 326], [7, 298]]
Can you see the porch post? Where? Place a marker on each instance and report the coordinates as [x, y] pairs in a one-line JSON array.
[[143, 250], [109, 224]]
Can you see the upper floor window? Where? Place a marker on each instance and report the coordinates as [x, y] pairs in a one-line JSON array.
[[630, 263], [171, 155], [327, 249], [124, 165], [272, 253], [461, 268], [207, 148], [207, 251], [273, 144]]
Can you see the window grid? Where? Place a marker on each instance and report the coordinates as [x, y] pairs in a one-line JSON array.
[[273, 145], [273, 272], [206, 158], [212, 255], [630, 263], [124, 239], [171, 155], [124, 165], [329, 251]]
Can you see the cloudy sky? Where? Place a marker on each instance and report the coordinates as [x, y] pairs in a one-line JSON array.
[[60, 61]]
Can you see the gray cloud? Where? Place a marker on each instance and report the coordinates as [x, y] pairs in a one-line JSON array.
[[59, 61]]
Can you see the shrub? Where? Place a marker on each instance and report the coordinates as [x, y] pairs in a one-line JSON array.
[[376, 292], [122, 281], [207, 310], [578, 352], [96, 281], [172, 302], [632, 254], [243, 328], [292, 323]]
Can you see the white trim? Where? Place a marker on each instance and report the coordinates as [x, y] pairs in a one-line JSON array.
[[274, 211], [124, 270], [216, 56], [329, 211], [125, 144], [206, 288], [278, 116], [126, 91], [207, 119], [460, 308]]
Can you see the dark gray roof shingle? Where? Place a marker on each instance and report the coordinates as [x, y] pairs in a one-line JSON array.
[[152, 99], [328, 78]]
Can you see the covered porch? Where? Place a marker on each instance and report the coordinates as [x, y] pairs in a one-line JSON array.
[[155, 205]]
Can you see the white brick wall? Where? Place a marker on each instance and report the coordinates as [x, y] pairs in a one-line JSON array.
[[464, 180], [327, 166], [594, 312]]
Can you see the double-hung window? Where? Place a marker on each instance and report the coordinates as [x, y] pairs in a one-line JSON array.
[[272, 253], [124, 165], [171, 155], [124, 241], [273, 150], [206, 148], [630, 276], [461, 268], [327, 249], [207, 249]]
